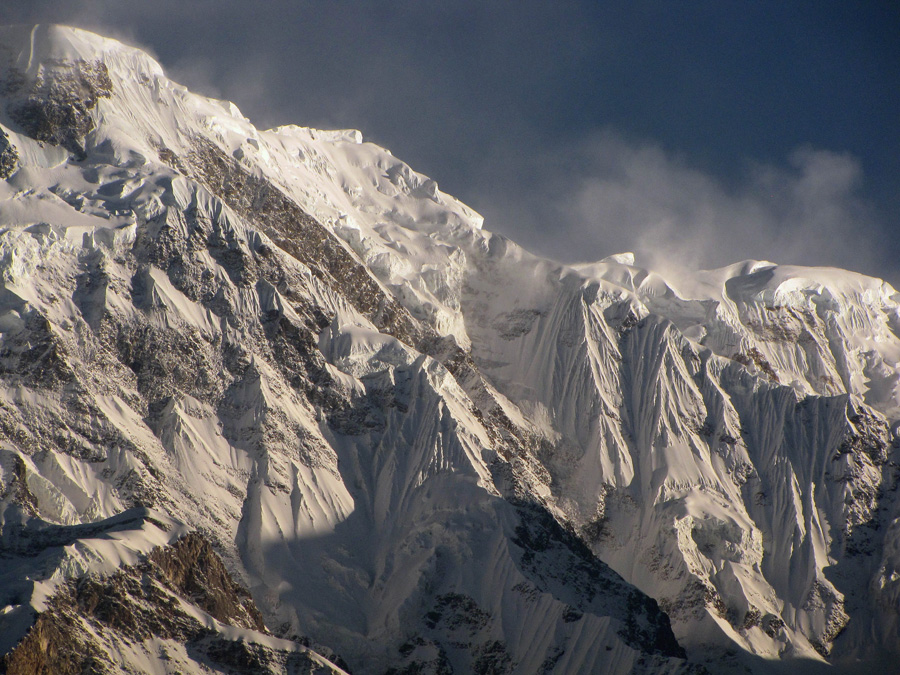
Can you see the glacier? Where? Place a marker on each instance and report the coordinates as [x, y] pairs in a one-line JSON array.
[[389, 440]]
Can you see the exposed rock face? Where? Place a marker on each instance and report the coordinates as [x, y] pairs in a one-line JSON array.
[[193, 569], [107, 624], [55, 107], [9, 157], [298, 234]]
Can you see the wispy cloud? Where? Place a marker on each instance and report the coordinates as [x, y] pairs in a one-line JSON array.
[[605, 194]]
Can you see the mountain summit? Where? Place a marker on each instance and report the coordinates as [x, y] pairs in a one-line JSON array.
[[270, 401]]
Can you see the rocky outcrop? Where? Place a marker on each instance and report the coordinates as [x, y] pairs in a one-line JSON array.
[[55, 107], [9, 156], [163, 605], [192, 568]]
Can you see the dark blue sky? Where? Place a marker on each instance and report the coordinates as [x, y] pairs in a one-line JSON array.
[[714, 130]]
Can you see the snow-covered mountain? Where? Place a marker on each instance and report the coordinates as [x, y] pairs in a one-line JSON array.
[[272, 401]]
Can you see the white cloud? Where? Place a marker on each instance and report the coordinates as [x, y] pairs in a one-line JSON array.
[[608, 194]]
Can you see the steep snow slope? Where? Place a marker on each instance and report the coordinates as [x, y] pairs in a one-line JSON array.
[[750, 494], [178, 333]]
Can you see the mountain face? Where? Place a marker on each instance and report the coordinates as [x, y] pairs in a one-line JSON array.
[[270, 401]]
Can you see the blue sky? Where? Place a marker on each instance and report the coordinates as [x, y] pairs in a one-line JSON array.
[[707, 131]]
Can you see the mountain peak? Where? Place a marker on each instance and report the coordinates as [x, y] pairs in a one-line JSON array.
[[30, 46]]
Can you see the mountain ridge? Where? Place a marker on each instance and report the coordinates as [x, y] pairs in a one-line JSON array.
[[305, 349]]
